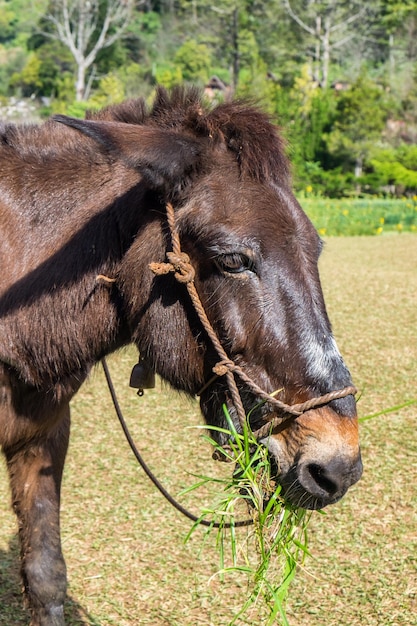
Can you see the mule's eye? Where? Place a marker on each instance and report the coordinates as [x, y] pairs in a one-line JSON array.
[[235, 263]]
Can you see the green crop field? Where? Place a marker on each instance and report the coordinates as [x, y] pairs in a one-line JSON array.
[[127, 561], [361, 217]]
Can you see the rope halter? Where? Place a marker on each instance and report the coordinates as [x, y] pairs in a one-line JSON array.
[[179, 264]]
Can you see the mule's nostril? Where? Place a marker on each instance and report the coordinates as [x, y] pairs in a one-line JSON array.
[[313, 484], [321, 479]]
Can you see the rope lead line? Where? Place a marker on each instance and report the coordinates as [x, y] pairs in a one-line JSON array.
[[149, 472], [179, 263]]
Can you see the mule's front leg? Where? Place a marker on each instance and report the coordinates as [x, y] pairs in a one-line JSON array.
[[35, 476]]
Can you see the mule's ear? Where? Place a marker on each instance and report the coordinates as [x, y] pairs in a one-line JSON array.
[[162, 156]]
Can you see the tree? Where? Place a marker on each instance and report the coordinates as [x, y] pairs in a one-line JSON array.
[[194, 60], [7, 22], [86, 27], [399, 25], [224, 25], [329, 25], [397, 167], [359, 120]]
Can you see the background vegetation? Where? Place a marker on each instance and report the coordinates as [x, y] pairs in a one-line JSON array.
[[341, 80], [365, 216], [124, 545], [339, 77]]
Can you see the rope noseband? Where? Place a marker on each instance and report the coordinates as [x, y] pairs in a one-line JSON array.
[[179, 264]]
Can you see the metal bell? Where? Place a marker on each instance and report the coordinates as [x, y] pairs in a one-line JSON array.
[[142, 376]]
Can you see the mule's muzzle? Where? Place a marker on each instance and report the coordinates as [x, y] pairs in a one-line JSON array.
[[313, 485]]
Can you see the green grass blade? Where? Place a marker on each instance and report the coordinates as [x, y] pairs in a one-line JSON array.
[[391, 409]]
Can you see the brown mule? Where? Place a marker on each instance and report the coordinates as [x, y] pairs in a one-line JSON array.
[[83, 198]]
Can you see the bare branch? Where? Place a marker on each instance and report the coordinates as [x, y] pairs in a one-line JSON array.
[[297, 19], [341, 42], [349, 20]]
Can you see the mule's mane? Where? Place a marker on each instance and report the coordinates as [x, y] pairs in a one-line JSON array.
[[246, 130], [45, 143]]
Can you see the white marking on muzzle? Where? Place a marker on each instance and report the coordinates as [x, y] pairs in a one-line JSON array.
[[322, 357]]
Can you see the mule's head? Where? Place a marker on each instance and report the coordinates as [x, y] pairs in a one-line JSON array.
[[255, 254]]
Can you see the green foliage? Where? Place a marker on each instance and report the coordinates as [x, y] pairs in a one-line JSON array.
[[193, 60], [397, 167], [360, 217], [311, 116], [145, 25], [134, 80], [168, 75], [45, 73], [338, 139], [110, 91], [248, 49], [359, 119], [394, 173], [254, 81], [407, 155], [396, 13], [28, 80], [8, 22], [333, 183]]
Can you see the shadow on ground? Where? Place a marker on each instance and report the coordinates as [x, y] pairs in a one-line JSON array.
[[12, 611]]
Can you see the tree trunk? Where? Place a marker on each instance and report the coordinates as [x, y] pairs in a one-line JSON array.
[[317, 73], [80, 83], [358, 173], [391, 58], [325, 62], [236, 53]]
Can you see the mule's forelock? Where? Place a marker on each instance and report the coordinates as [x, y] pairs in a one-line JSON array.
[[255, 140], [246, 130], [243, 127]]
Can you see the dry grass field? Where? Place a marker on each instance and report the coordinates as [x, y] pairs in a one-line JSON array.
[[124, 546]]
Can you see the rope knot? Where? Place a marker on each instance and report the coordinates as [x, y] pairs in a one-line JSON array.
[[161, 268], [177, 263], [222, 367], [184, 271]]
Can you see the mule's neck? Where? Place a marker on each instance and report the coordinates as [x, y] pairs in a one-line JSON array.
[[56, 317]]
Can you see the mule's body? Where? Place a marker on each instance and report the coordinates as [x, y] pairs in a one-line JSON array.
[[80, 202]]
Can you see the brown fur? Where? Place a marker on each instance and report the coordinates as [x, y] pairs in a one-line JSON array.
[[84, 198]]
